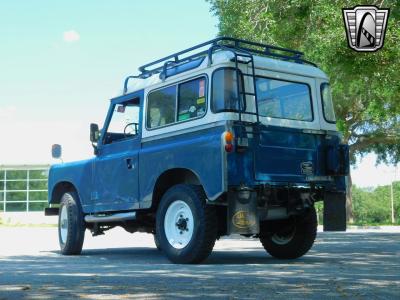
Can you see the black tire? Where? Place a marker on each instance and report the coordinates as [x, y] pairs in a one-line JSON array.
[[204, 227], [291, 238], [71, 243], [156, 242]]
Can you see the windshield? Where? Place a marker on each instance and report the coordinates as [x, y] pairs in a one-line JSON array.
[[327, 104]]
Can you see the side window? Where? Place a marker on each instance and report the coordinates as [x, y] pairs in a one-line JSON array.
[[124, 123], [284, 99], [161, 107], [176, 103], [192, 99], [224, 91], [327, 104]]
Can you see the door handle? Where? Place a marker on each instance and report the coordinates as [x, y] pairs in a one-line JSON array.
[[129, 163]]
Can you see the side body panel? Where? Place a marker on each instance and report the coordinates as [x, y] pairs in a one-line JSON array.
[[198, 151], [79, 174]]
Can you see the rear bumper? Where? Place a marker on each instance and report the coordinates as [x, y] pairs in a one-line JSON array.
[[247, 207]]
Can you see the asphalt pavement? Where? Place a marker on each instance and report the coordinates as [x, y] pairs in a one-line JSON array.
[[360, 264]]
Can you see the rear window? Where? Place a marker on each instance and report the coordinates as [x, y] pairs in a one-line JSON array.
[[225, 95], [327, 104], [177, 103], [284, 99]]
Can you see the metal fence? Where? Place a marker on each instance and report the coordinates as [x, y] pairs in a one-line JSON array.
[[23, 188]]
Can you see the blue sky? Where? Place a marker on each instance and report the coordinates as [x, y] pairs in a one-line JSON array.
[[78, 76], [61, 61], [52, 88]]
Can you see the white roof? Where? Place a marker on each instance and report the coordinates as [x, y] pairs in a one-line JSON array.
[[224, 57]]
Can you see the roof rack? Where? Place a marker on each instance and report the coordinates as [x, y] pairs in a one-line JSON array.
[[178, 59]]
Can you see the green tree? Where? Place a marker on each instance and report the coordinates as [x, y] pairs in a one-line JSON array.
[[365, 86], [374, 207]]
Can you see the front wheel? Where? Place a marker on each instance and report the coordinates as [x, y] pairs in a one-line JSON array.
[[71, 225], [291, 238], [186, 227]]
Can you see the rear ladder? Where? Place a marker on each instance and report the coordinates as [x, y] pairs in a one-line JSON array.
[[249, 59]]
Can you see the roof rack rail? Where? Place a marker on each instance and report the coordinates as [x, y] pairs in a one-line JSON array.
[[177, 59]]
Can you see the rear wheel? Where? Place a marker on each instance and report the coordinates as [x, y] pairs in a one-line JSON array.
[[156, 242], [71, 225], [186, 227], [291, 238]]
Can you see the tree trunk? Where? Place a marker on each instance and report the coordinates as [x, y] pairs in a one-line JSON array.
[[349, 203]]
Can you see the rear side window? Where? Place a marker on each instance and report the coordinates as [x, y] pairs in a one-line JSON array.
[[177, 103], [192, 99], [327, 104], [225, 96], [284, 99]]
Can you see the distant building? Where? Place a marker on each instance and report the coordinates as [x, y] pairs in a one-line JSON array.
[[23, 188]]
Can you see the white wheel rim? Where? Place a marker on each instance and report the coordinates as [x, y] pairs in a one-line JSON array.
[[63, 224], [178, 224], [283, 239]]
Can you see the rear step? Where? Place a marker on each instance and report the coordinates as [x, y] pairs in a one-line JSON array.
[[118, 217]]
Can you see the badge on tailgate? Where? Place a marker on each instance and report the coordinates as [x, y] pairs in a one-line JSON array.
[[307, 168]]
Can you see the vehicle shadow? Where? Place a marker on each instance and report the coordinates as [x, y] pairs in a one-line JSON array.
[[339, 265], [328, 248]]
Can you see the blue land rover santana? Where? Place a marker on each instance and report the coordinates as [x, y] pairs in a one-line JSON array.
[[227, 137]]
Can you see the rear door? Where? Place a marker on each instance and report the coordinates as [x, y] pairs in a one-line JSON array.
[[287, 146]]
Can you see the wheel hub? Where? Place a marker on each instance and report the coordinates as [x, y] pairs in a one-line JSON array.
[[178, 224], [283, 238], [182, 224]]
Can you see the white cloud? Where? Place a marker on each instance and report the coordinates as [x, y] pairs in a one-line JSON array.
[[71, 36]]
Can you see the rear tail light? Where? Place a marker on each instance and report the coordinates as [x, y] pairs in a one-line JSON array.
[[228, 137], [228, 147], [228, 140]]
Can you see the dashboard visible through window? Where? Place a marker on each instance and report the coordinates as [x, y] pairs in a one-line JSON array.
[[124, 123]]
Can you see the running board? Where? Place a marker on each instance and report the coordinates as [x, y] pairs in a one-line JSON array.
[[118, 217]]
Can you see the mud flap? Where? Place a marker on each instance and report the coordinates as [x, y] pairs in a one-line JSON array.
[[242, 212], [335, 211]]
